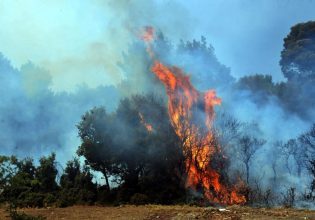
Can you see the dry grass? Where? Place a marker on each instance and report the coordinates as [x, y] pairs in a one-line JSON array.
[[164, 212]]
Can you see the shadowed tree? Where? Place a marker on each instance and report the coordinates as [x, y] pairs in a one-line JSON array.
[[135, 146], [308, 140], [298, 56], [246, 149], [295, 151], [96, 146], [76, 184], [46, 173]]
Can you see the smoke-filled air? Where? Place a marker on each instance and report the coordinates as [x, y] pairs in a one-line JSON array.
[[204, 103]]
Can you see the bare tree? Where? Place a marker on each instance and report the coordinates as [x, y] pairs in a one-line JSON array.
[[247, 148], [227, 129], [296, 151], [275, 157], [308, 141]]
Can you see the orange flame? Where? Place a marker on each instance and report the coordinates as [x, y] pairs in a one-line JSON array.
[[147, 34], [148, 126], [198, 142], [198, 146]]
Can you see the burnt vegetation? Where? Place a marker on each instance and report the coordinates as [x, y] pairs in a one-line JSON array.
[[132, 154]]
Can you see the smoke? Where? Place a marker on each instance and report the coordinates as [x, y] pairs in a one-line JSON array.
[[95, 53], [274, 124], [34, 121], [274, 121]]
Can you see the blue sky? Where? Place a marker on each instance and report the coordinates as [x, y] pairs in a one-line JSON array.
[[82, 41], [248, 34]]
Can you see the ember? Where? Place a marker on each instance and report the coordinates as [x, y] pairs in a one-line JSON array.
[[145, 124]]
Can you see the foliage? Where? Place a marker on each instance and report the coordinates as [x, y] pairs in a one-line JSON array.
[[298, 56], [46, 174], [22, 216], [76, 185], [209, 72], [139, 199], [120, 145], [261, 85], [30, 186]]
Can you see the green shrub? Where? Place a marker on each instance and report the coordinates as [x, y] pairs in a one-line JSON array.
[[139, 199], [49, 199], [31, 199], [67, 197], [22, 216]]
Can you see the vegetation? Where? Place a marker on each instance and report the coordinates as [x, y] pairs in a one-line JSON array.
[[139, 155], [298, 56]]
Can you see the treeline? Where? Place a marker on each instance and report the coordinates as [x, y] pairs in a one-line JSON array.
[[140, 156], [138, 165], [26, 185], [296, 94], [141, 161]]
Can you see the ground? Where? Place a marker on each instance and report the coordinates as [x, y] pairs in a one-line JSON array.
[[148, 212]]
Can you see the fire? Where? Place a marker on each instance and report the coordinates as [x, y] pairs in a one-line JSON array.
[[148, 126], [198, 141], [147, 34]]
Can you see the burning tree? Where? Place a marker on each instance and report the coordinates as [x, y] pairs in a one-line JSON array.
[[199, 145], [198, 142], [135, 147]]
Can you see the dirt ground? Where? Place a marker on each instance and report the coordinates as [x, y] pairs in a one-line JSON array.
[[164, 212]]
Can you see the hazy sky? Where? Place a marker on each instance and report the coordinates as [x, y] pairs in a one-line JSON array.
[[82, 41]]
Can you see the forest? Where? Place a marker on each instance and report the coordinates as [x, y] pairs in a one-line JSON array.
[[130, 150]]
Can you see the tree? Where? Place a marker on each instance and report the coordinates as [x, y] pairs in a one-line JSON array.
[[7, 170], [247, 148], [261, 84], [46, 173], [298, 56], [76, 185], [195, 56], [296, 151], [21, 183], [136, 146], [308, 140], [199, 59], [96, 146]]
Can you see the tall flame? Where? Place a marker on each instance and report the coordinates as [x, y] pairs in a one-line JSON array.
[[198, 141]]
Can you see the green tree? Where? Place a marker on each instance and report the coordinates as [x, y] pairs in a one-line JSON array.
[[298, 56], [135, 146], [97, 147], [76, 185], [198, 58], [22, 182], [46, 173]]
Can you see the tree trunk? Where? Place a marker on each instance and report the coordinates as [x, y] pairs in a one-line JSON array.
[[106, 179], [247, 172]]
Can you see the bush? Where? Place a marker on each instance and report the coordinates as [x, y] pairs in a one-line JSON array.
[[31, 199], [106, 197], [139, 199], [22, 216], [67, 197], [71, 196], [49, 199]]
